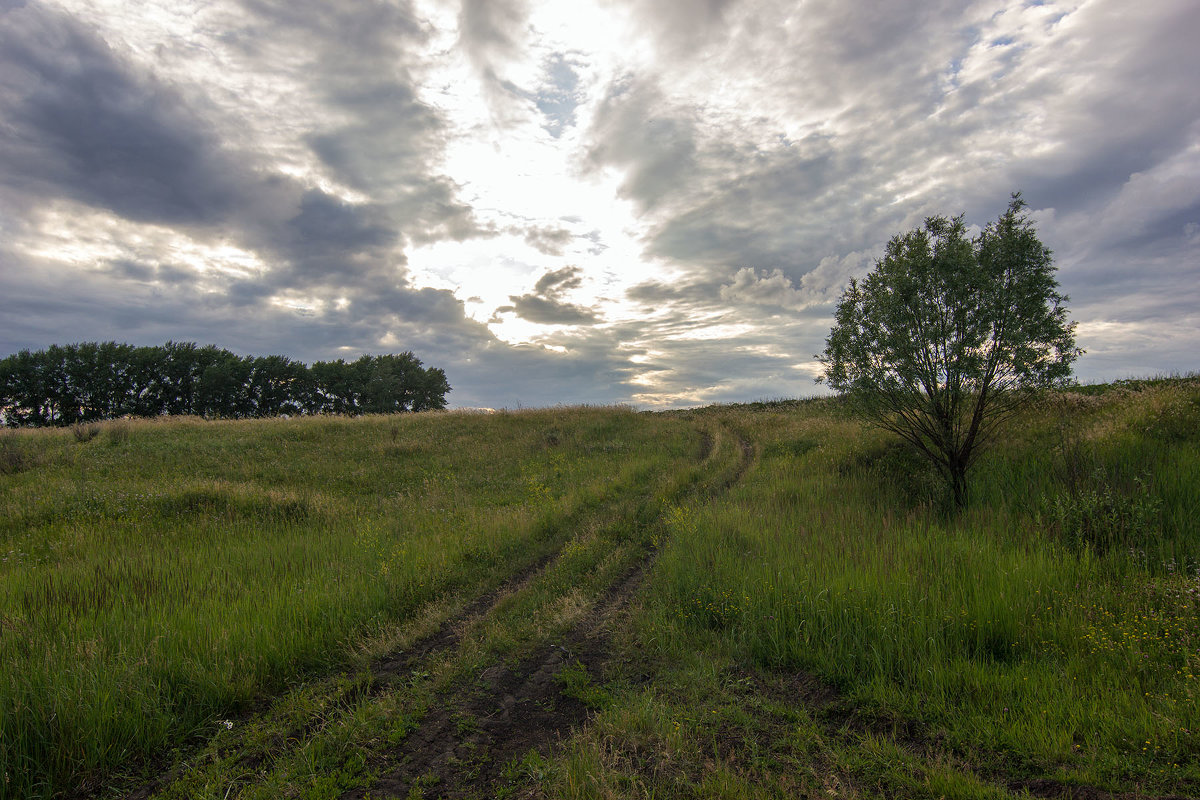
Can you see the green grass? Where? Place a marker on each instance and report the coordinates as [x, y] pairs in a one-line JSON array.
[[813, 621], [1005, 640], [162, 576]]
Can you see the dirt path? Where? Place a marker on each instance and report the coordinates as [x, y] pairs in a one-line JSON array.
[[465, 743], [477, 726]]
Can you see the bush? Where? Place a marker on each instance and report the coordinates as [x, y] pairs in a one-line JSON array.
[[13, 458], [85, 433], [1102, 518]]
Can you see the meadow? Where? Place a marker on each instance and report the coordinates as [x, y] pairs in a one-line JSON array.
[[763, 600]]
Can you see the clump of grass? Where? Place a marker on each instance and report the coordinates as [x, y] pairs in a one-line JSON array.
[[14, 457], [85, 432], [577, 683], [118, 431], [1102, 517]]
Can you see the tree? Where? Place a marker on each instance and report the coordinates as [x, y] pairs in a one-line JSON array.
[[92, 381], [948, 337]]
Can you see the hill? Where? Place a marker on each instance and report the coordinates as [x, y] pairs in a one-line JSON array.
[[738, 601]]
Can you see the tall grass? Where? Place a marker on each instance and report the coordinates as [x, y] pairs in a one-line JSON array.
[[159, 576], [1000, 631]]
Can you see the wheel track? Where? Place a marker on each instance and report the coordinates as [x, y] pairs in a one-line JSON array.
[[385, 671], [462, 746], [516, 708]]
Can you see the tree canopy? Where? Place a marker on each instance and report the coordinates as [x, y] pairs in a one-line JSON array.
[[64, 385], [948, 336]]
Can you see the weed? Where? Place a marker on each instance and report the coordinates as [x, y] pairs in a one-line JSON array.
[[118, 431], [13, 456], [85, 432], [578, 684], [1103, 518], [532, 766]]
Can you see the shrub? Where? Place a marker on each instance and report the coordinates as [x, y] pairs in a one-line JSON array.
[[13, 458], [1102, 518], [85, 433]]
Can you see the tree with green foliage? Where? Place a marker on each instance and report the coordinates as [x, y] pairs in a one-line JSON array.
[[949, 336], [76, 383]]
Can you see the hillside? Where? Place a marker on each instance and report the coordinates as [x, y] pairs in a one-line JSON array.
[[755, 601]]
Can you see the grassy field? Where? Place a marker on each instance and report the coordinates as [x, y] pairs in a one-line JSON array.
[[741, 601]]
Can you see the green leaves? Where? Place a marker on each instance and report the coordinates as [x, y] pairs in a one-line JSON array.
[[945, 338], [82, 383]]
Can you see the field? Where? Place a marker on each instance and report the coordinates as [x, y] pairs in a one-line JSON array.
[[755, 601]]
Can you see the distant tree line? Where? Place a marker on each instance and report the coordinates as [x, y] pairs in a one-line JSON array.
[[65, 385]]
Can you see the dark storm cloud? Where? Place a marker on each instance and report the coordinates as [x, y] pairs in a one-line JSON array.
[[331, 242], [82, 124], [545, 304]]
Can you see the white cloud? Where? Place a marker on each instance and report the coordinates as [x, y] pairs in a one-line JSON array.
[[379, 174]]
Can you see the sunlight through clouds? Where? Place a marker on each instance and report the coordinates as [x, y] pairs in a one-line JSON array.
[[595, 201]]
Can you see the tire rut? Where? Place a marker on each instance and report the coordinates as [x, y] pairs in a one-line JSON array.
[[401, 662], [462, 747], [384, 671]]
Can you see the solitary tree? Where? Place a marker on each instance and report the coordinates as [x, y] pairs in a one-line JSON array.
[[948, 336]]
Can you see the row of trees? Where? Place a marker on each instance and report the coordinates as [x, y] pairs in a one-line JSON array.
[[65, 385]]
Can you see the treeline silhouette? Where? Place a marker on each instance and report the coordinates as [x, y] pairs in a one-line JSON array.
[[90, 381]]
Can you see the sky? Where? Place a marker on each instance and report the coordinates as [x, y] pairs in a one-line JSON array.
[[649, 202]]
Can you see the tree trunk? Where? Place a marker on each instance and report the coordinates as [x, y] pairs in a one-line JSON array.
[[958, 483]]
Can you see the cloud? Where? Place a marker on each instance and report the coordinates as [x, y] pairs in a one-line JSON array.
[[190, 225], [545, 304], [656, 150], [325, 179], [550, 241], [491, 30], [786, 153], [683, 24], [82, 123], [817, 287]]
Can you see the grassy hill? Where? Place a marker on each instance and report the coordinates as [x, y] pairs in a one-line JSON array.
[[739, 601]]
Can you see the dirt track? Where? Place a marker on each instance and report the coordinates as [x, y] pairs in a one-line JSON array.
[[463, 745]]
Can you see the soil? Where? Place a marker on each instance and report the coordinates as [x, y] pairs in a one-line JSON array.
[[464, 745]]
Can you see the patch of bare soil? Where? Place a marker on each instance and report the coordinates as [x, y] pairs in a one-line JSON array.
[[463, 745]]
